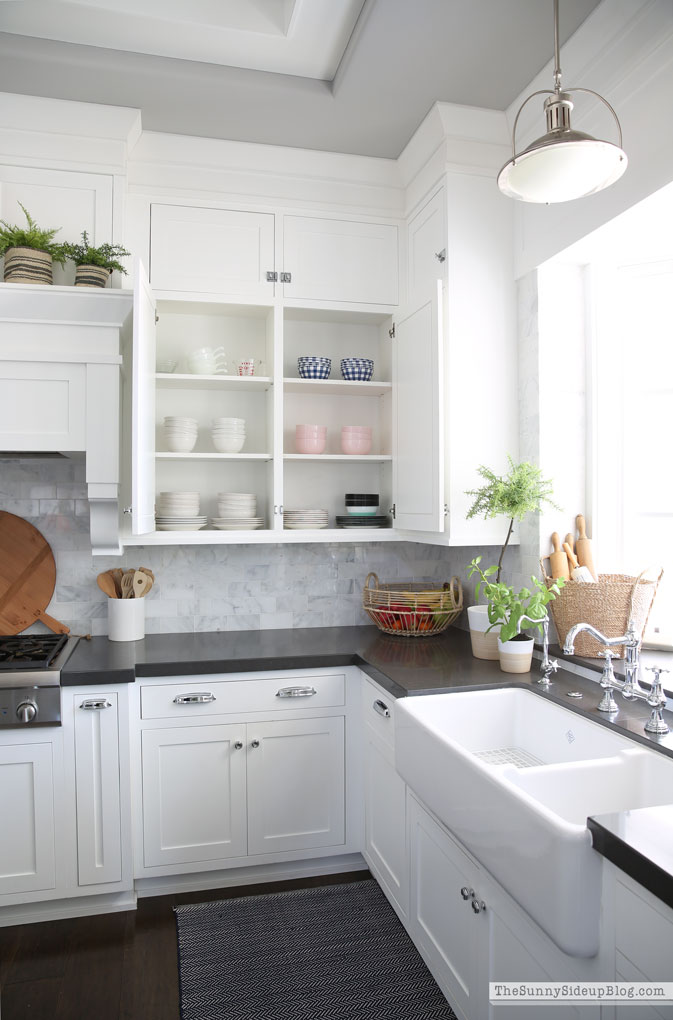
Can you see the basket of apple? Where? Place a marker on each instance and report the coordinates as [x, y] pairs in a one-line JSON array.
[[412, 609]]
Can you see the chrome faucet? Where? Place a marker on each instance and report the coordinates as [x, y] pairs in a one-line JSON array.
[[547, 666], [629, 687]]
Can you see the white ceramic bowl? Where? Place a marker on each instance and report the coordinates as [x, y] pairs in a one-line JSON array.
[[228, 445]]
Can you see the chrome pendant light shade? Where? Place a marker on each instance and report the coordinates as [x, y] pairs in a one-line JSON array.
[[563, 164]]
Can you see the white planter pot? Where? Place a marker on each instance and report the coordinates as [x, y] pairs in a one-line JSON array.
[[484, 645], [515, 656]]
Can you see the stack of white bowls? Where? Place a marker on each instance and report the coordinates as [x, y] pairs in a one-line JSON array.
[[228, 434], [237, 512], [305, 520], [179, 511], [180, 434]]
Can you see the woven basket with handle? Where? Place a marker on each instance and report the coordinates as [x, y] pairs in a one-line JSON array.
[[607, 605], [412, 609]]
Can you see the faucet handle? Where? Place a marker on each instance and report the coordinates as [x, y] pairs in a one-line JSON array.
[[656, 695], [607, 654]]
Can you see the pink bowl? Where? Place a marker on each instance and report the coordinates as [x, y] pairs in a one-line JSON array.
[[350, 445], [308, 444], [310, 428], [349, 430]]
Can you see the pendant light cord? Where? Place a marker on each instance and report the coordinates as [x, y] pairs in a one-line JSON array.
[[557, 51]]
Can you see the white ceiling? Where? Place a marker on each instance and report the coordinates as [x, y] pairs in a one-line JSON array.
[[352, 76]]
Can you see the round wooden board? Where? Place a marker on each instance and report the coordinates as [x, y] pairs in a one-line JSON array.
[[27, 576]]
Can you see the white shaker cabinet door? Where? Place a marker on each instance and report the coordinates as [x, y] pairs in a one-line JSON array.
[[143, 426], [27, 861], [212, 251], [99, 852], [42, 406], [418, 416], [193, 787], [386, 823], [295, 785], [427, 247], [340, 260]]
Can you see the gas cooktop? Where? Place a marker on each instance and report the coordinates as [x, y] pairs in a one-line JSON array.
[[30, 651]]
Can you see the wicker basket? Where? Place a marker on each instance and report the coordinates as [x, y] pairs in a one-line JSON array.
[[412, 610], [607, 605]]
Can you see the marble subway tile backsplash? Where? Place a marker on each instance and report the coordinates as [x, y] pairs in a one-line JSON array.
[[208, 588]]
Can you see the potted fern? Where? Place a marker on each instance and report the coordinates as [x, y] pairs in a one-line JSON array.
[[521, 491], [29, 251], [95, 264], [512, 613]]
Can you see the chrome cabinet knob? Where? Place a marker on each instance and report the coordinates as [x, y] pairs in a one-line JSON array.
[[466, 893], [238, 744], [255, 743], [26, 711], [478, 905]]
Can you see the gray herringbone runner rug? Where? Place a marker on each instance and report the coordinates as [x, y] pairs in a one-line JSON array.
[[337, 952]]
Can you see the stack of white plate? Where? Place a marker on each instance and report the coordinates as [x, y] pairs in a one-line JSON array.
[[237, 512], [303, 520], [179, 511], [180, 434], [228, 434]]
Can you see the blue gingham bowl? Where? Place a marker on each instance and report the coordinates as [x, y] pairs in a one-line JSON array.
[[357, 369], [314, 367]]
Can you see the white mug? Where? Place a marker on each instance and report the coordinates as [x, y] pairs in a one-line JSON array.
[[208, 361]]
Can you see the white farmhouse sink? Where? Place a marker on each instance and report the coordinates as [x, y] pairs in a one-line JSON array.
[[515, 776]]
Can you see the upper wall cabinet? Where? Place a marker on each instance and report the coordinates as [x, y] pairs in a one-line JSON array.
[[212, 251], [426, 248], [66, 199], [339, 260]]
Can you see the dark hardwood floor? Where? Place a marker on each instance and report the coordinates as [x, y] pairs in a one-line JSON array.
[[111, 966]]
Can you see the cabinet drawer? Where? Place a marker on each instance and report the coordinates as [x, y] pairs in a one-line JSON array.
[[378, 712], [209, 697]]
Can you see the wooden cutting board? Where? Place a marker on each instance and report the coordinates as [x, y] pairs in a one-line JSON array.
[[27, 576]]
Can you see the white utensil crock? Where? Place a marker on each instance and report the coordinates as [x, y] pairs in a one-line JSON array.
[[126, 619]]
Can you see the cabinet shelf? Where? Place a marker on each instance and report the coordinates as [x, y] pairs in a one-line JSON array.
[[265, 536], [342, 387], [214, 456], [185, 381], [367, 458]]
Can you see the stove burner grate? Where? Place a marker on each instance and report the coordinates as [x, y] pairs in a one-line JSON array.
[[30, 651]]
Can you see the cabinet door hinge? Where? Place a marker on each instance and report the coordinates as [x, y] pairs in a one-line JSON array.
[[271, 277], [393, 510], [286, 277], [441, 255], [446, 509], [391, 332]]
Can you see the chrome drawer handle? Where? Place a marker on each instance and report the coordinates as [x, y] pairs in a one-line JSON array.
[[382, 709], [296, 692], [95, 704], [201, 698]]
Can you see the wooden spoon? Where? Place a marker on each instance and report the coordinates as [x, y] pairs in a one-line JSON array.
[[107, 585], [141, 583], [116, 576], [146, 570], [127, 584]]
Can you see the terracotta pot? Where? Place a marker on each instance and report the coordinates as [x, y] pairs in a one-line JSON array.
[[91, 276], [484, 645], [28, 265], [515, 656]]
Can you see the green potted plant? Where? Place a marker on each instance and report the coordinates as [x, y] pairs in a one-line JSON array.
[[513, 613], [95, 264], [29, 251], [521, 491]]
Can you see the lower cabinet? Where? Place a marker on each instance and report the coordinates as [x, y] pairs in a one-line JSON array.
[[27, 834], [470, 933], [214, 792], [644, 945]]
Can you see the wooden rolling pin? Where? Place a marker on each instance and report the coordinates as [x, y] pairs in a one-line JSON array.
[[585, 556], [577, 572], [570, 539], [558, 560]]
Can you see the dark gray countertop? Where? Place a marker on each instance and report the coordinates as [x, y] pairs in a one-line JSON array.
[[636, 841]]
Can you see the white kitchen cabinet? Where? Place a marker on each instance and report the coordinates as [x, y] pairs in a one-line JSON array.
[[426, 248], [336, 259], [418, 416], [97, 787], [470, 933], [42, 406], [27, 836], [295, 784], [385, 848], [212, 251], [644, 945], [193, 794]]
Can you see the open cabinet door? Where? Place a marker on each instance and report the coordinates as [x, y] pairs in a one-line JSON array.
[[418, 416], [142, 404]]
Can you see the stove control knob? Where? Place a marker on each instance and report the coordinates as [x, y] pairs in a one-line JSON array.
[[26, 711]]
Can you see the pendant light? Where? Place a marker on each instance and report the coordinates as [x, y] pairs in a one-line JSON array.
[[563, 164]]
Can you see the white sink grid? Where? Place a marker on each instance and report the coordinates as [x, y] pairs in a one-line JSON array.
[[514, 776]]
